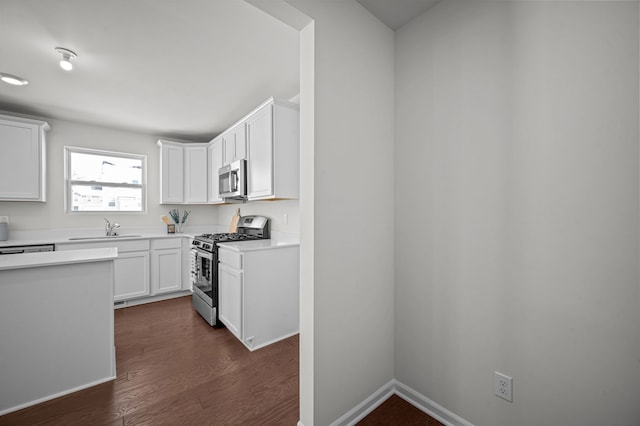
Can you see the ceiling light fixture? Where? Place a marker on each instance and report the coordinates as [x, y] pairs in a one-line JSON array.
[[13, 79], [65, 62]]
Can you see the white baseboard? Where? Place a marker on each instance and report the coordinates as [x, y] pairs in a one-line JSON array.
[[141, 301], [361, 410], [55, 395], [428, 406], [421, 402], [270, 342]]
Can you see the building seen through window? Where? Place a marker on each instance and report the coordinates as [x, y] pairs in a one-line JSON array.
[[102, 181]]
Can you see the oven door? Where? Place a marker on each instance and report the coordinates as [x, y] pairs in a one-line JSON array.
[[205, 276]]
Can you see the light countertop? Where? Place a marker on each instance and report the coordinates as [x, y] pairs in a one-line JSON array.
[[62, 236], [245, 246], [51, 258], [64, 239], [141, 236]]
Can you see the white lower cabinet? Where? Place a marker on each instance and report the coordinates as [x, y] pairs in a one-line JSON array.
[[258, 294], [131, 275], [143, 268], [166, 266], [230, 299]]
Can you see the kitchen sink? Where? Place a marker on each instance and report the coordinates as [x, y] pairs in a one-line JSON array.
[[104, 237]]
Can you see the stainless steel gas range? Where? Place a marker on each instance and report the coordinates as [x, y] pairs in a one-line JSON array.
[[204, 263]]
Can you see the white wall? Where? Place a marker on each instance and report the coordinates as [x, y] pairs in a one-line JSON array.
[[51, 215], [517, 147], [307, 221], [347, 134]]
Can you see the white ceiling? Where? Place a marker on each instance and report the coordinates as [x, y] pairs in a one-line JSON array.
[[396, 13], [178, 69], [182, 69]]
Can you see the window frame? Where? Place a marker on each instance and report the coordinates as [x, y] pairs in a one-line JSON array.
[[68, 182]]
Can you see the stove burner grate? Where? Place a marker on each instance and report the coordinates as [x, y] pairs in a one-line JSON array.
[[224, 237]]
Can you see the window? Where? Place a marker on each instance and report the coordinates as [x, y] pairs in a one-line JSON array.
[[103, 181]]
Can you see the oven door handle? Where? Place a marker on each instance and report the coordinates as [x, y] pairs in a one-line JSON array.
[[202, 253]]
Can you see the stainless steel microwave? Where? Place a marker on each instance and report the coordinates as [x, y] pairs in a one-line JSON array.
[[232, 180]]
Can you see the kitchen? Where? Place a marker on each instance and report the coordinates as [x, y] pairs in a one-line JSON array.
[[54, 220], [447, 333], [149, 266]]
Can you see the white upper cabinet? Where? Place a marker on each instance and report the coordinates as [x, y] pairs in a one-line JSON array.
[[273, 140], [183, 173], [22, 162], [235, 144], [268, 138], [195, 172], [260, 167], [171, 172], [215, 162]]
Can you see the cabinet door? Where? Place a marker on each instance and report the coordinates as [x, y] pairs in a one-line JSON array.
[[166, 271], [131, 275], [241, 142], [195, 174], [235, 144], [215, 162], [260, 164], [171, 173], [21, 162], [230, 299]]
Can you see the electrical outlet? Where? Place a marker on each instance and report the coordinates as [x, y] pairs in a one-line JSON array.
[[504, 386]]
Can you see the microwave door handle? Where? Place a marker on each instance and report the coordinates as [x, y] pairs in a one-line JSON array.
[[233, 177]]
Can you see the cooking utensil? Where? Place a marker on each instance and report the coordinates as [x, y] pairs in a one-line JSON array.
[[233, 228]]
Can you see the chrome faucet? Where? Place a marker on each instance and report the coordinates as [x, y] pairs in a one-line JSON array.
[[109, 229]]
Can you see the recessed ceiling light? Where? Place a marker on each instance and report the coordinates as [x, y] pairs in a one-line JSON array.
[[65, 62], [13, 79]]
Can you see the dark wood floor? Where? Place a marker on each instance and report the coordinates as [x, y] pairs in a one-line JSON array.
[[173, 369], [395, 411]]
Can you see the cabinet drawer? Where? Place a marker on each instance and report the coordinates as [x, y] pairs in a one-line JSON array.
[[230, 258], [122, 246], [166, 243]]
